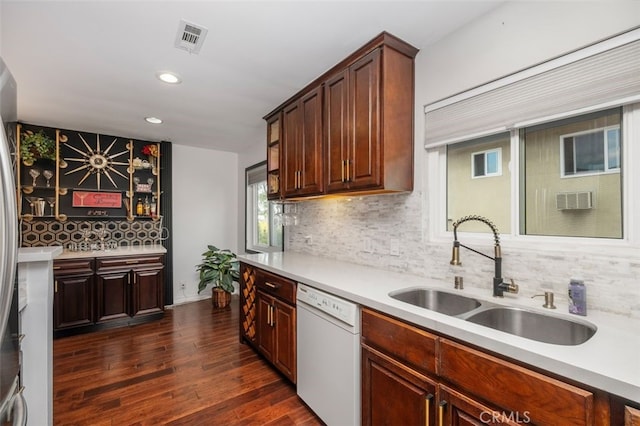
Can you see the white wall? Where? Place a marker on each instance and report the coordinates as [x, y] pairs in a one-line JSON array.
[[205, 211], [515, 36]]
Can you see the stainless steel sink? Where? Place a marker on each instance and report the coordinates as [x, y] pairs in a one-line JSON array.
[[435, 300], [534, 326]]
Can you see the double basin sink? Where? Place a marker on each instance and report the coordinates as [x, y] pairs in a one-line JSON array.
[[532, 325]]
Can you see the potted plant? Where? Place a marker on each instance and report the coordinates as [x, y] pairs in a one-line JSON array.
[[36, 146], [220, 268]]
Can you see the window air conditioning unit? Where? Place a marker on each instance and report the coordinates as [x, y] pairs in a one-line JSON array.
[[582, 200]]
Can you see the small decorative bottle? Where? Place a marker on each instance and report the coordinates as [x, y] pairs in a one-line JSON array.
[[147, 207], [153, 206], [139, 207]]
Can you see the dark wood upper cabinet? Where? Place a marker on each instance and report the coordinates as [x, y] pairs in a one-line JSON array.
[[351, 129], [302, 145]]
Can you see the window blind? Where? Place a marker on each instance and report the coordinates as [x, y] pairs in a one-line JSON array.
[[256, 174], [602, 80]]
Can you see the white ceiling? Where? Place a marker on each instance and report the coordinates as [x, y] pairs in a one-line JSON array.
[[91, 65]]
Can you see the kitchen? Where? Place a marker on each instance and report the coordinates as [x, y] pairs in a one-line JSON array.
[[492, 43]]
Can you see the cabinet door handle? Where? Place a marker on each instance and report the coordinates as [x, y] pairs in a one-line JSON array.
[[57, 267], [346, 166], [273, 317], [427, 405], [343, 171], [55, 289], [441, 412]]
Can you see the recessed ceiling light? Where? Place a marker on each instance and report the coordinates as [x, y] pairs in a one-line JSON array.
[[169, 77], [153, 120]]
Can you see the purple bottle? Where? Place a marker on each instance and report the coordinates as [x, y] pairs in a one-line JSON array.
[[577, 297]]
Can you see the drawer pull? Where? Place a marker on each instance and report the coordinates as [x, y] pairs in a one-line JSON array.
[[131, 262], [20, 338], [271, 285], [57, 267]]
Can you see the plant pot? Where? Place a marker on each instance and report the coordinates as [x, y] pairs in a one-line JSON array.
[[220, 298]]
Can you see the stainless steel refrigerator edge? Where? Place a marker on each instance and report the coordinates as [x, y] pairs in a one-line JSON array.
[[12, 405]]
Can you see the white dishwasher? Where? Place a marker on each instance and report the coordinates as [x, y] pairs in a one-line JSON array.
[[328, 352]]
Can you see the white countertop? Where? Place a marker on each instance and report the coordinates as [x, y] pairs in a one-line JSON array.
[[120, 251], [610, 360], [38, 254]]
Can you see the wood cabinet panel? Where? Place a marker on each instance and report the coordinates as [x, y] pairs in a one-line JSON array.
[[410, 344], [265, 336], [393, 394], [73, 301], [147, 297], [631, 416], [302, 145], [364, 167], [514, 388], [276, 285], [456, 409], [336, 121], [113, 293], [285, 339]]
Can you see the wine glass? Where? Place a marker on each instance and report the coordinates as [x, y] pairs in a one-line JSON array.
[[31, 201], [52, 202], [34, 173], [48, 174]]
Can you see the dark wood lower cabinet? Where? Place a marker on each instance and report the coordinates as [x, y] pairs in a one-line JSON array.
[[276, 333], [392, 394], [268, 317], [73, 298], [107, 292], [413, 376]]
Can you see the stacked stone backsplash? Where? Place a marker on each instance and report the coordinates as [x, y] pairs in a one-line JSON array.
[[339, 228], [39, 233]]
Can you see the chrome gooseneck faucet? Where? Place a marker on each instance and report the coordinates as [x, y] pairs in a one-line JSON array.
[[499, 286]]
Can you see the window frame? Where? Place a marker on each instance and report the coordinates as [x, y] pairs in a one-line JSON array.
[[251, 223], [605, 151], [498, 151], [435, 180]]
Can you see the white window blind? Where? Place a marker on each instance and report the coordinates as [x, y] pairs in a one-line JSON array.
[[575, 84]]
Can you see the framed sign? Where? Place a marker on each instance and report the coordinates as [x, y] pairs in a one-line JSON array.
[[105, 200]]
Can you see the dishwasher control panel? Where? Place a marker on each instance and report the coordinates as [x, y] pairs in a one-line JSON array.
[[339, 308]]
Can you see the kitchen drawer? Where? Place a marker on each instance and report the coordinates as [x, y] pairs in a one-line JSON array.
[[129, 261], [517, 389], [402, 341], [72, 266], [276, 285]]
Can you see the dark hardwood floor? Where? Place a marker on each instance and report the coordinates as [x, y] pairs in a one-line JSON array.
[[186, 369]]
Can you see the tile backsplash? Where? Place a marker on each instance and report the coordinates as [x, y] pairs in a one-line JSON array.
[[40, 233], [389, 232]]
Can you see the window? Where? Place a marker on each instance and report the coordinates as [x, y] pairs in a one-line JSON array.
[[573, 123], [262, 233], [469, 193], [574, 191], [486, 163], [591, 152]]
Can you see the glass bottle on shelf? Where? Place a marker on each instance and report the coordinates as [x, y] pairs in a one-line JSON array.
[[139, 207], [147, 207], [153, 206]]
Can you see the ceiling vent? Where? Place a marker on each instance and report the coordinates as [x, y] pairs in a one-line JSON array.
[[190, 36]]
